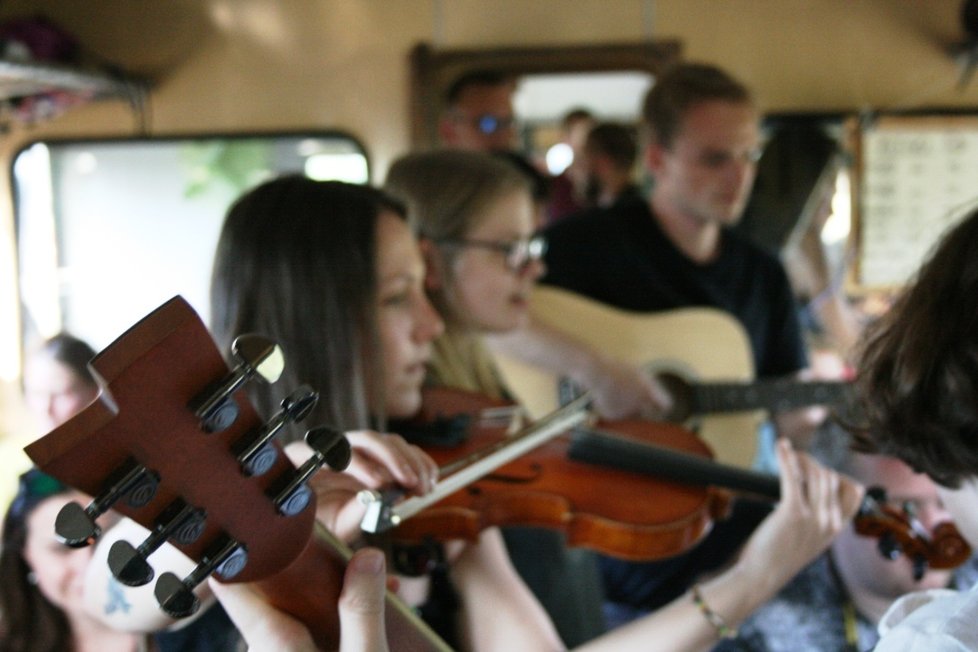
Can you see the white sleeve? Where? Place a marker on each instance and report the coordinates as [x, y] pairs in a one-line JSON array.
[[938, 620]]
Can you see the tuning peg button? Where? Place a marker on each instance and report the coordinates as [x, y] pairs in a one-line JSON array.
[[257, 356], [331, 448], [75, 526], [179, 522], [176, 597], [257, 456]]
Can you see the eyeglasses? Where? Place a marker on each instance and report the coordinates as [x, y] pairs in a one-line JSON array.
[[518, 253], [487, 123]]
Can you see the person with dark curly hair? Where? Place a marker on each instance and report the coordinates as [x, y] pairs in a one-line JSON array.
[[918, 382]]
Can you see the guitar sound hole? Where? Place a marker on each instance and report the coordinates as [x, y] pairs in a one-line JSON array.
[[682, 397]]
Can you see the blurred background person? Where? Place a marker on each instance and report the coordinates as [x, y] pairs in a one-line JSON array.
[[478, 113], [45, 599], [610, 153], [570, 186], [57, 384], [57, 381]]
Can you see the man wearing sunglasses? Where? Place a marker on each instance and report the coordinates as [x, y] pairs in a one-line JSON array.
[[478, 113]]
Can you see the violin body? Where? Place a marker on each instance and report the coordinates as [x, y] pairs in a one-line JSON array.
[[619, 513]]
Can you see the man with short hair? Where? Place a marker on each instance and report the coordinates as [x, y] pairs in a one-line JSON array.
[[677, 250]]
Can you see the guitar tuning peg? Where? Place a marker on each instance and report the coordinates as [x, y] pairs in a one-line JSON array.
[[331, 448], [257, 456], [75, 526], [176, 597], [256, 356], [179, 522]]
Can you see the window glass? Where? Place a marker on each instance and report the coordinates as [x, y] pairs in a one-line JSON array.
[[109, 230]]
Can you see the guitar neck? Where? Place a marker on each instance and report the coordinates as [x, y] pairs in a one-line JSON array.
[[775, 395], [309, 589]]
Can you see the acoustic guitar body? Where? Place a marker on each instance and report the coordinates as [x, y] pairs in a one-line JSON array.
[[697, 344]]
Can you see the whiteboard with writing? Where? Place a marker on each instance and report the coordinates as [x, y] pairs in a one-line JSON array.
[[918, 177]]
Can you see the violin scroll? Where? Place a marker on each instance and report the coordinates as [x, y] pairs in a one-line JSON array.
[[900, 532]]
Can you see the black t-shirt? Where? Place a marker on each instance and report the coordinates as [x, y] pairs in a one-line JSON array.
[[621, 257]]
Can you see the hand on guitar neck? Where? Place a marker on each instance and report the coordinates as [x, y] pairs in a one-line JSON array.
[[361, 610]]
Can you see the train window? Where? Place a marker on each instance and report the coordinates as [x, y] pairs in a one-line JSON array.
[[108, 230]]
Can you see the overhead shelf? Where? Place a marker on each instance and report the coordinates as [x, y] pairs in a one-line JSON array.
[[20, 81]]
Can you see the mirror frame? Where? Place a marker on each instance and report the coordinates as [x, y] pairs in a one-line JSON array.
[[432, 71]]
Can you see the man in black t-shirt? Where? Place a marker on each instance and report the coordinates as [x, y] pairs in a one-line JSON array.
[[676, 251]]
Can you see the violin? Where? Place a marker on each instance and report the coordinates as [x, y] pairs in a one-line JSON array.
[[595, 506], [589, 483]]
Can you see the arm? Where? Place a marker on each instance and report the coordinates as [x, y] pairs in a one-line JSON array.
[[815, 505], [619, 389], [504, 615]]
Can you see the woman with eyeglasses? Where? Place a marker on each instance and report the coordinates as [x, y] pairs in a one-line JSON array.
[[475, 218]]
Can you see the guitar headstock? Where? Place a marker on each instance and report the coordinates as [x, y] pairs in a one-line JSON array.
[[174, 444]]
